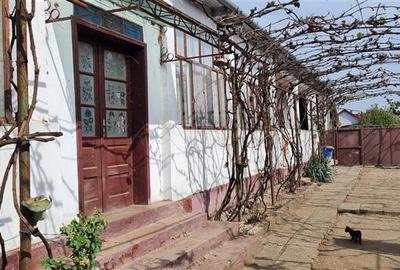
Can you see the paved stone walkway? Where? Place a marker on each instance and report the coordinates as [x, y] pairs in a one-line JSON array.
[[378, 191], [380, 248], [293, 242]]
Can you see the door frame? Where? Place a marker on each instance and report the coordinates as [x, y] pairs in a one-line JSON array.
[[140, 144]]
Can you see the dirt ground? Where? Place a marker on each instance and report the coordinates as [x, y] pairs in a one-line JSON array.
[[380, 248]]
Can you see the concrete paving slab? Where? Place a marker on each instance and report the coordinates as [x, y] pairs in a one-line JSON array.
[[371, 208], [380, 248], [300, 233], [353, 208]]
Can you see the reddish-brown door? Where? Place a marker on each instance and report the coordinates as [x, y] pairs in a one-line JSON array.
[[104, 90]]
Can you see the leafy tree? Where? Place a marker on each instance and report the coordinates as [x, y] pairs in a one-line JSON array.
[[394, 106], [379, 117]]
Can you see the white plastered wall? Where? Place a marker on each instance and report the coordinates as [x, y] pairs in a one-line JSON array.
[[53, 164]]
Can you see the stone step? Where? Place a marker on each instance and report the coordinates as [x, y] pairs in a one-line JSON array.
[[180, 253], [230, 255], [136, 242], [129, 218]]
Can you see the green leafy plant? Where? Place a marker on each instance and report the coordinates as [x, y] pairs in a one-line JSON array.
[[379, 117], [84, 239], [318, 169]]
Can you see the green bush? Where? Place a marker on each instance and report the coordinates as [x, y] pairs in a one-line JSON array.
[[84, 239], [318, 169], [378, 117]]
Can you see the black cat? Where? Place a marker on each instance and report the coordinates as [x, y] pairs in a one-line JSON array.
[[355, 234]]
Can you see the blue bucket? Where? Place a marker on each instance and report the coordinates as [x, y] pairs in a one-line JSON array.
[[328, 152]]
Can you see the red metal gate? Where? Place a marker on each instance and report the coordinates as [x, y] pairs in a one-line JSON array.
[[366, 146]]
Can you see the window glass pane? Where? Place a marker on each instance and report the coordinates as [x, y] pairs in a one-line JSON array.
[[180, 43], [86, 84], [86, 61], [204, 106], [199, 96], [115, 94], [96, 19], [88, 121], [222, 99], [192, 47], [206, 49], [303, 113], [113, 22], [209, 97], [133, 30], [116, 123], [228, 94], [114, 65], [179, 92], [215, 101], [187, 93]]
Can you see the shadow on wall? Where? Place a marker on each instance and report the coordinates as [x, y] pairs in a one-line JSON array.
[[48, 180], [60, 71], [204, 153], [199, 165]]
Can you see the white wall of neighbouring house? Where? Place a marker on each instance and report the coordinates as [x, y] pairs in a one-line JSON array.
[[347, 119]]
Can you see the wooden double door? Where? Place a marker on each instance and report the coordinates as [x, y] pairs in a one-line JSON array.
[[105, 124]]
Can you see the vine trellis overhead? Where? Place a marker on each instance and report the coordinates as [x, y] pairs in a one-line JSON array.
[[316, 50], [326, 59]]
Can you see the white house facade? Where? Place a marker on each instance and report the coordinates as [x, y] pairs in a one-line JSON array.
[[136, 129], [348, 118]]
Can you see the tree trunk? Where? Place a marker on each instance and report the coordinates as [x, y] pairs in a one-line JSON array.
[[25, 262]]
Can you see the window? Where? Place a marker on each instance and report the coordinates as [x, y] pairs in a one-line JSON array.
[[222, 99], [192, 47], [179, 43], [111, 22], [303, 113], [206, 49], [203, 96], [283, 111], [201, 87]]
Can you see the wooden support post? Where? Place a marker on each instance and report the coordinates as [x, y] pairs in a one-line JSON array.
[[25, 259], [297, 134], [269, 140], [235, 138]]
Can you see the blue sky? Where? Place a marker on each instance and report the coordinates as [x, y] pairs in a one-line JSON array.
[[322, 7]]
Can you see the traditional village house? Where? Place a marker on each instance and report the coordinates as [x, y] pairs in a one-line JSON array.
[[143, 116]]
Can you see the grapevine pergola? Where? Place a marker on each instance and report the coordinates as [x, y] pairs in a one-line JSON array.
[[328, 60]]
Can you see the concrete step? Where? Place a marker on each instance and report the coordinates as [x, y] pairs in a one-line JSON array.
[[230, 255], [136, 242], [180, 253], [129, 218]]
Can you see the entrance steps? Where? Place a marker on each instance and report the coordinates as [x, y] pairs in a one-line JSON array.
[[163, 235], [189, 248]]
